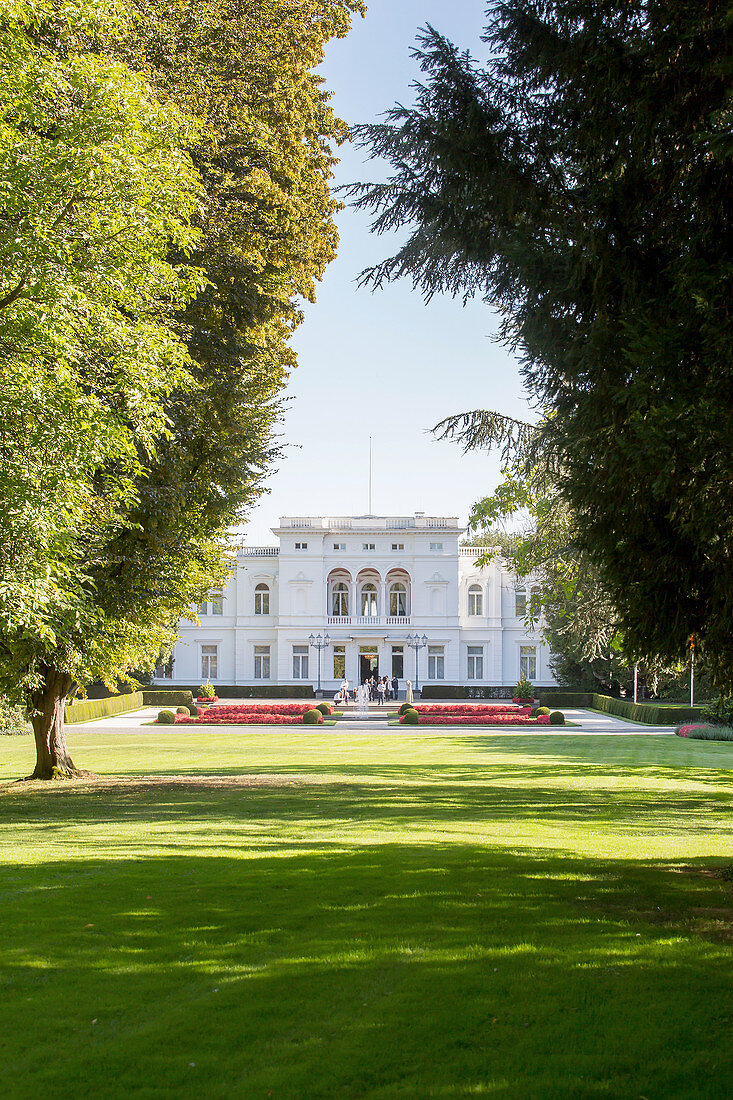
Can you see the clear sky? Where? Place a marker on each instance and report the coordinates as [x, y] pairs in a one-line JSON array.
[[383, 363]]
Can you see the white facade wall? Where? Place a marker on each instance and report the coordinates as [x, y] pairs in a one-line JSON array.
[[314, 553]]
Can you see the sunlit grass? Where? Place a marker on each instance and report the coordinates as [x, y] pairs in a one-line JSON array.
[[382, 915]]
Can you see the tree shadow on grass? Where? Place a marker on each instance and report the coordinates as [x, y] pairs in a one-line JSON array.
[[467, 797], [387, 970]]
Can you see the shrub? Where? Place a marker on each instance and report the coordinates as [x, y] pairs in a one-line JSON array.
[[404, 707], [156, 698], [166, 717], [704, 732], [557, 718], [543, 710], [84, 710], [193, 710], [410, 717], [206, 691], [13, 722], [524, 690], [312, 717], [324, 708], [182, 710], [721, 711]]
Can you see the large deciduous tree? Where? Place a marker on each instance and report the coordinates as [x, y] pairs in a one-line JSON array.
[[581, 181], [135, 507]]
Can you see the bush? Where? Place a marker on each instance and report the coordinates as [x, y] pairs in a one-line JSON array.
[[404, 707], [653, 714], [183, 710], [721, 711], [324, 708], [557, 718], [13, 722], [312, 717], [193, 710], [206, 691], [703, 732], [410, 717], [87, 709], [524, 690], [166, 717], [156, 698], [543, 710], [551, 698]]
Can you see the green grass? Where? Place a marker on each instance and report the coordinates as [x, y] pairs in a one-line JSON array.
[[367, 915]]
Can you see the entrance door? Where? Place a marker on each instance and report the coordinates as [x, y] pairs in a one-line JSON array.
[[368, 664]]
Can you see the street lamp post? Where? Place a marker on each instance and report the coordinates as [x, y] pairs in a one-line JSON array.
[[417, 643], [319, 643]]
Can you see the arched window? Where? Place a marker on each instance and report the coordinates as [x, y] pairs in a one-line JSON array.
[[340, 599], [369, 599], [262, 600], [520, 602], [398, 599], [475, 600]]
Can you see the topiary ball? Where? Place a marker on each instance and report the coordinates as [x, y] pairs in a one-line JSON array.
[[183, 710], [411, 717], [193, 710], [312, 717], [544, 710], [406, 706], [324, 708], [166, 717], [557, 718]]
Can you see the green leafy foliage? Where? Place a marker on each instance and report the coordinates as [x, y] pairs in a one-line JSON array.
[[166, 718], [557, 718], [312, 717], [720, 711], [13, 719], [410, 717]]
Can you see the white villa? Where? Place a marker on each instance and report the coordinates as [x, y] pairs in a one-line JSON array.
[[360, 594]]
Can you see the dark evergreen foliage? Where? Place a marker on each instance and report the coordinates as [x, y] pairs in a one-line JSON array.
[[582, 182]]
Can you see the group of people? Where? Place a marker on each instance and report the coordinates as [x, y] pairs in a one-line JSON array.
[[376, 689]]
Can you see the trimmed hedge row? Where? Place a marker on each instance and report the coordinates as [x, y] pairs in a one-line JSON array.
[[461, 691], [650, 714], [239, 691], [550, 698], [88, 709], [155, 698]]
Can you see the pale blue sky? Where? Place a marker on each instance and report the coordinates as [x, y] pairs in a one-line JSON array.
[[383, 363]]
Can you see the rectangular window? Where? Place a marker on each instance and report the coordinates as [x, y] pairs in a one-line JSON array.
[[164, 671], [217, 603], [262, 662], [398, 661], [438, 546], [209, 662], [475, 662], [436, 662], [203, 608], [339, 546], [339, 662], [520, 603], [300, 662], [398, 546], [368, 546], [301, 546], [527, 662]]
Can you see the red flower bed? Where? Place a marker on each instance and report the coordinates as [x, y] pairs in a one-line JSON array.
[[524, 702], [218, 716], [470, 708], [265, 708], [482, 720], [205, 699]]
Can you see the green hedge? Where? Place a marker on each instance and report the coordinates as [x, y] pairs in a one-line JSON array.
[[152, 697], [88, 709], [565, 698], [461, 691], [256, 691], [650, 714]]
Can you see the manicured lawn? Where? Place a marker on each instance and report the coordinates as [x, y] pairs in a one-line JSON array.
[[406, 914]]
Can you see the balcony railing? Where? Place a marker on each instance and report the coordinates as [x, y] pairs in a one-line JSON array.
[[369, 620], [259, 551]]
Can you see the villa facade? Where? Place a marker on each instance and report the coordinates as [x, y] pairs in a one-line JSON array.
[[369, 589]]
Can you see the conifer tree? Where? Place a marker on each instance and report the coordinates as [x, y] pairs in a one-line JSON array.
[[581, 181]]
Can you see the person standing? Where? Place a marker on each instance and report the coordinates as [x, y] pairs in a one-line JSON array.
[[380, 692], [345, 690], [395, 686]]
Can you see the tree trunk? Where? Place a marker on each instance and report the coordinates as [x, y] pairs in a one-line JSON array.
[[52, 755]]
